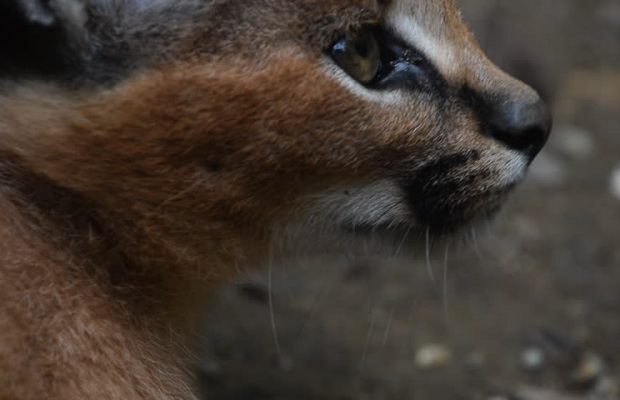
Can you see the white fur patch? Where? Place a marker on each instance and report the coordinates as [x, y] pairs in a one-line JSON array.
[[511, 169], [374, 204], [441, 54], [383, 203], [388, 97]]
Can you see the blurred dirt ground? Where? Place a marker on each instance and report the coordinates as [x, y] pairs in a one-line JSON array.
[[530, 309]]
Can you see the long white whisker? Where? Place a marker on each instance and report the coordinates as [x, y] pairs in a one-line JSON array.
[[371, 328], [429, 265], [388, 328], [474, 239], [403, 240], [445, 282], [326, 288]]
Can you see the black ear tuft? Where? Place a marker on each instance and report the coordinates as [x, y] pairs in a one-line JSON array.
[[40, 38]]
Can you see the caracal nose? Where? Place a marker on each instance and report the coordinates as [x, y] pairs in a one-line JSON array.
[[522, 122]]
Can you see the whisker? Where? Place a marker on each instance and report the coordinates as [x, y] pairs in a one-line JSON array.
[[325, 288], [403, 240], [445, 283], [474, 239], [272, 315], [429, 265], [388, 328], [411, 342], [389, 209], [371, 328]]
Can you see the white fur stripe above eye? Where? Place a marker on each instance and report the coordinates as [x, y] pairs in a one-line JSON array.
[[440, 53]]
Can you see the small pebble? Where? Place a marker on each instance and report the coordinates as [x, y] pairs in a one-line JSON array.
[[533, 359], [574, 142], [432, 356], [534, 393], [589, 370], [614, 183]]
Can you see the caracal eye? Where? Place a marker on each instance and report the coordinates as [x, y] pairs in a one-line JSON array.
[[359, 55]]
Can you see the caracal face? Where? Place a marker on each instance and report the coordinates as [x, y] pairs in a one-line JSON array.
[[365, 115], [349, 115]]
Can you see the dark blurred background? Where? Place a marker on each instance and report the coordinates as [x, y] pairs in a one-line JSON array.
[[530, 309]]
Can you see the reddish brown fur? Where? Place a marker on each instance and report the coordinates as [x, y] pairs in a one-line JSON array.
[[120, 207]]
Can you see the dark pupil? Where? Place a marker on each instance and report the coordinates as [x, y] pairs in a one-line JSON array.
[[361, 46]]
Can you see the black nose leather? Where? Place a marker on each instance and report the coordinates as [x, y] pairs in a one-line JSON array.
[[523, 124]]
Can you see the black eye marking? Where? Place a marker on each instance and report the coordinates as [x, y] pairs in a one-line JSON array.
[[377, 59]]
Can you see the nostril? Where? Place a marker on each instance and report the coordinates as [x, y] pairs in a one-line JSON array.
[[529, 140]]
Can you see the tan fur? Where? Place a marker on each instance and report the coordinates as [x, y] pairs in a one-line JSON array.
[[120, 207]]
